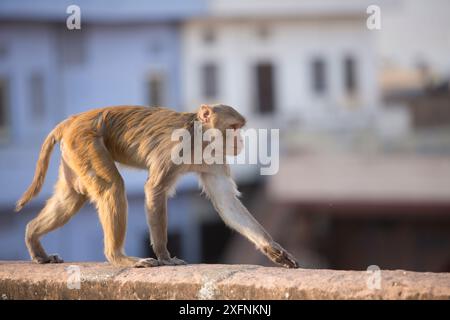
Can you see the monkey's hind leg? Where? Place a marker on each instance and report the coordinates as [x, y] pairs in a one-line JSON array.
[[58, 210], [112, 209], [106, 188]]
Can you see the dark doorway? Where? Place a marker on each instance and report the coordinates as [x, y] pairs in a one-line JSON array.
[[4, 108], [265, 90], [156, 88], [350, 75], [318, 76], [210, 87]]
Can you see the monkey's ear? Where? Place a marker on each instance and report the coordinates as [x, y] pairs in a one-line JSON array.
[[204, 113]]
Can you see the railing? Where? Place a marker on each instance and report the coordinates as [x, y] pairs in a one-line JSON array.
[[26, 280]]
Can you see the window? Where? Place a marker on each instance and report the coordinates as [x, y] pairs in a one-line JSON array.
[[72, 47], [263, 32], [209, 79], [156, 88], [156, 46], [3, 107], [209, 37], [319, 82], [3, 51], [265, 91], [37, 93], [350, 75]]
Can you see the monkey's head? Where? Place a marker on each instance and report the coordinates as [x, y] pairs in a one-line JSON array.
[[228, 121]]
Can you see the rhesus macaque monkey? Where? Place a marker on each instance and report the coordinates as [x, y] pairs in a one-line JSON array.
[[91, 143]]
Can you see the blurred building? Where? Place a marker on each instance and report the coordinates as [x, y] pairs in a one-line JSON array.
[[376, 193], [414, 48], [125, 53], [284, 62], [413, 44]]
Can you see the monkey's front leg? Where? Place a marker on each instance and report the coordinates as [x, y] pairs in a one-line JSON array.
[[156, 206], [222, 191]]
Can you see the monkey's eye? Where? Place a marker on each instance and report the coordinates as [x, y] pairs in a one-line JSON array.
[[234, 126]]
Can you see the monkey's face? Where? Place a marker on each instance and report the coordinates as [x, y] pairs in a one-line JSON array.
[[228, 121]]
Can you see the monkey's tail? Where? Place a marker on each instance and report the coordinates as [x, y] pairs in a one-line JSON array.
[[42, 165]]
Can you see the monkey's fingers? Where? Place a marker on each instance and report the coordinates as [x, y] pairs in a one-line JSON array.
[[288, 261], [280, 256]]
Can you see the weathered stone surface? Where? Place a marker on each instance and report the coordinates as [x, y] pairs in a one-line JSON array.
[[26, 280]]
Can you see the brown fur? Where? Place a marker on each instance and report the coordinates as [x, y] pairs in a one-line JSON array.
[[91, 143]]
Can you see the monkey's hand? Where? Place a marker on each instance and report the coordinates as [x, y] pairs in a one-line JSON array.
[[280, 256]]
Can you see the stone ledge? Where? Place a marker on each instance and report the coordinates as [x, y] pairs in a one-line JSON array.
[[26, 280]]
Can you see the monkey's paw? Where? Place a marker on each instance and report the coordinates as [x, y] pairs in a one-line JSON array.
[[171, 262], [146, 263], [280, 256], [52, 258]]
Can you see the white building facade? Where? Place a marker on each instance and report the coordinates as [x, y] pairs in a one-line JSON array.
[[306, 62]]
